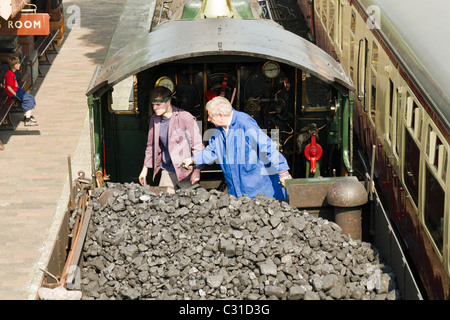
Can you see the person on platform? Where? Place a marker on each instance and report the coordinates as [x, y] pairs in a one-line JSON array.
[[249, 159], [173, 135], [25, 99]]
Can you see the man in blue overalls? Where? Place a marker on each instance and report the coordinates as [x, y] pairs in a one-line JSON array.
[[249, 159]]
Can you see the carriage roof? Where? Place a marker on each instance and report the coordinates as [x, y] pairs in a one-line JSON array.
[[417, 32]]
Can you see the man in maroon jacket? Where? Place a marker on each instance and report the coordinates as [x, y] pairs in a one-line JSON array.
[[173, 135]]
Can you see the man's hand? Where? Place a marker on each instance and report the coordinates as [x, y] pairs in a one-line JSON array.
[[143, 176], [186, 163], [284, 175], [195, 176]]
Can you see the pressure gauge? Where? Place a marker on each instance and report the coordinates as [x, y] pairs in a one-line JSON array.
[[165, 82], [271, 69]]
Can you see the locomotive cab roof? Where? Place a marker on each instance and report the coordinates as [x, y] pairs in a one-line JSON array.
[[252, 39]]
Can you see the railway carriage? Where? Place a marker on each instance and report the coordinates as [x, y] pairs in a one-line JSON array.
[[396, 54]]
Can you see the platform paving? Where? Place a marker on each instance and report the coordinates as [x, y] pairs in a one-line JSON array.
[[34, 183]]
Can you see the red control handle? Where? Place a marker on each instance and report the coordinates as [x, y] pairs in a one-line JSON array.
[[313, 152]]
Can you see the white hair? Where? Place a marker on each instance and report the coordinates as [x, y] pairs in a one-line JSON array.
[[219, 105]]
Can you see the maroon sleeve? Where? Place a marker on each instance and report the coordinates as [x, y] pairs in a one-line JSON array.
[[148, 160]]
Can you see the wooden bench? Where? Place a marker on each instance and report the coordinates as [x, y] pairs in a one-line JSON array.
[[5, 115], [43, 45], [5, 107]]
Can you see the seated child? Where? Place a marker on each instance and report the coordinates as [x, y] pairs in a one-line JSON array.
[[26, 100]]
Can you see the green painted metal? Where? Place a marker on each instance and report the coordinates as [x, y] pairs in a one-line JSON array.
[[191, 9], [94, 117], [126, 140], [243, 9], [346, 121]]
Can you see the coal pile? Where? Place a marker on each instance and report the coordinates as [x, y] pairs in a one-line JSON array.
[[199, 244]]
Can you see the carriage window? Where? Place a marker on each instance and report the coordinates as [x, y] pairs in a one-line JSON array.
[[413, 117], [373, 97], [397, 119], [438, 151], [352, 57], [324, 13], [434, 209], [442, 170], [353, 22], [318, 5], [374, 56], [340, 9], [352, 45], [437, 154], [332, 19], [411, 169], [434, 148], [407, 112], [373, 102], [321, 9], [417, 118], [392, 110], [431, 137], [389, 134]]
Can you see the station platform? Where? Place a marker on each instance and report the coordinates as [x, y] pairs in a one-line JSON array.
[[34, 174]]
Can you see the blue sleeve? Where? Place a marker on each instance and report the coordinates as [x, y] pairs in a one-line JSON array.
[[208, 155], [267, 151]]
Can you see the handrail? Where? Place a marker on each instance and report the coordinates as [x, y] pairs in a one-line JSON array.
[[358, 71], [347, 143]]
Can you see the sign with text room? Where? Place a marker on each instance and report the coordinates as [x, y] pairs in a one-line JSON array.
[[26, 24]]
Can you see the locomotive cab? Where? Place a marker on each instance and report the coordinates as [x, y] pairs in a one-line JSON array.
[[300, 96]]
